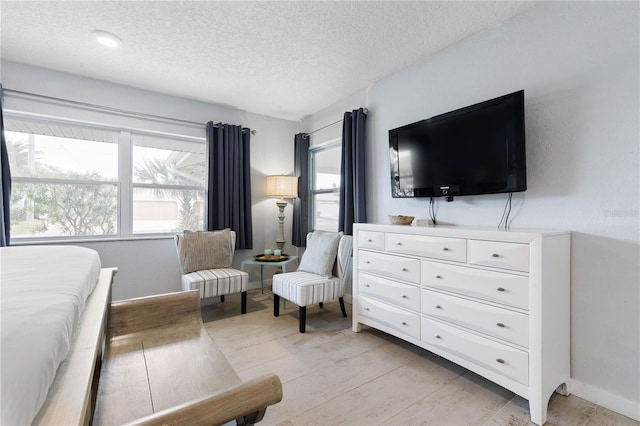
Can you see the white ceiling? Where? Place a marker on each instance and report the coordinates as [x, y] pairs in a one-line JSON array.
[[283, 59]]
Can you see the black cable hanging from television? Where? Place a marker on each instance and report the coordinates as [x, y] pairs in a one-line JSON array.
[[432, 211], [504, 221]]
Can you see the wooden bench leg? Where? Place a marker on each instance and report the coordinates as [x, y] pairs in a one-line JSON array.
[[276, 305], [303, 318], [251, 419], [344, 311], [243, 302]]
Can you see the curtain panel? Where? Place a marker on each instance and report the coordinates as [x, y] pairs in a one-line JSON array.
[[301, 204], [5, 214], [352, 207], [229, 181]]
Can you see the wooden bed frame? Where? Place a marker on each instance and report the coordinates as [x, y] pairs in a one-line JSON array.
[[71, 396], [150, 361]]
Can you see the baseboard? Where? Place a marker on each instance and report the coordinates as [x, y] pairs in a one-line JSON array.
[[616, 403], [348, 298]]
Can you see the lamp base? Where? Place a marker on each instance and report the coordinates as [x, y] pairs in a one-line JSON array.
[[280, 239]]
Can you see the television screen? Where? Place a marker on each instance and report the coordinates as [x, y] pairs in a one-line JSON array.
[[474, 150]]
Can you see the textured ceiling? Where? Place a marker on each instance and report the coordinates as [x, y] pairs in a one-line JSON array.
[[282, 59]]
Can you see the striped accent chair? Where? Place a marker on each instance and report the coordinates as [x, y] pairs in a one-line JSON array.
[[212, 281], [306, 288]]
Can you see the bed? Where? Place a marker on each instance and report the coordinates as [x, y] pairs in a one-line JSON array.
[[65, 347], [53, 305]]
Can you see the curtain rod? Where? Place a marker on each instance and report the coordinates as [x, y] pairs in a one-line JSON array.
[[102, 108], [307, 134]]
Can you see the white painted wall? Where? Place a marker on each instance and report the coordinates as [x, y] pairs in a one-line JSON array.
[[150, 266], [578, 65]]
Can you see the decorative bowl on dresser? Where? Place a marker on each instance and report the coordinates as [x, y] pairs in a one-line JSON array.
[[495, 302]]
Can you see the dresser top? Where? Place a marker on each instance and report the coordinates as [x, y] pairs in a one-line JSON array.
[[516, 235]]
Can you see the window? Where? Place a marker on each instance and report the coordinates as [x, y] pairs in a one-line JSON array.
[[168, 184], [325, 186], [79, 180]]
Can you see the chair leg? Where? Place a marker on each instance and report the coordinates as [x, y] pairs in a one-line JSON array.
[[344, 311], [321, 304], [276, 305], [243, 302], [222, 298], [303, 318]]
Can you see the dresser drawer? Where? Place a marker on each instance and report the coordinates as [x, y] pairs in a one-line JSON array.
[[396, 318], [402, 268], [371, 240], [497, 322], [454, 249], [512, 256], [503, 359], [403, 295], [504, 288]]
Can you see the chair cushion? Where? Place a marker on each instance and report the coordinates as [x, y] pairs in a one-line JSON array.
[[305, 288], [205, 250], [320, 255], [216, 282]]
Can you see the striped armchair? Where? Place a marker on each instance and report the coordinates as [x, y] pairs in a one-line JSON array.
[[205, 261], [307, 288]]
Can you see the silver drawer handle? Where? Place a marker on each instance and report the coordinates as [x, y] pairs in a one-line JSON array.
[[500, 360], [445, 249], [404, 323], [438, 307], [500, 324], [398, 243], [495, 255], [439, 277], [367, 285], [405, 270], [367, 262], [501, 289], [404, 296], [438, 336], [369, 240], [366, 309]]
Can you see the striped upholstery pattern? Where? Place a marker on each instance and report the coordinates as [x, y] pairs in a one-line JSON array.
[[216, 282], [320, 255], [306, 288]]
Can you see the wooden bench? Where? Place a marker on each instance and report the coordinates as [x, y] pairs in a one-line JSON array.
[[160, 366]]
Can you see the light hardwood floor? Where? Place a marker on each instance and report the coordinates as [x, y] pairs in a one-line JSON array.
[[332, 376]]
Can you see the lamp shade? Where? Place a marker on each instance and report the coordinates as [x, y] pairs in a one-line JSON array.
[[282, 186]]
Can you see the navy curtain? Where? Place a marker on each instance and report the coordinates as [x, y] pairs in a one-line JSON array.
[[5, 220], [229, 196], [301, 204], [352, 174]]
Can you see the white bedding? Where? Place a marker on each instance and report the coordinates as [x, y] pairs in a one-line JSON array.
[[43, 293]]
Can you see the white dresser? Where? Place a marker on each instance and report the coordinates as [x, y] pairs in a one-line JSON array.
[[495, 302]]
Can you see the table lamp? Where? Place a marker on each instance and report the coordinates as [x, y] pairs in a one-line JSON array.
[[283, 187]]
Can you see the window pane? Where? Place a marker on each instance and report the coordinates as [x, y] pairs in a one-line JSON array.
[[167, 210], [326, 164], [53, 209], [325, 212], [168, 161], [42, 156]]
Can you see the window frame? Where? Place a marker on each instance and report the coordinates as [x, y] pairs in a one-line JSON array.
[[313, 151], [124, 181]]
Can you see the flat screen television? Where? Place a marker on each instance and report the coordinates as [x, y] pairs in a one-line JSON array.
[[479, 149]]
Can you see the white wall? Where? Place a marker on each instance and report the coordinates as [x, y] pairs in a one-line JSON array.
[[578, 65], [150, 266]]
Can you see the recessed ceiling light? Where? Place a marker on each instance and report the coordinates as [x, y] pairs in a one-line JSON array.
[[105, 38]]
